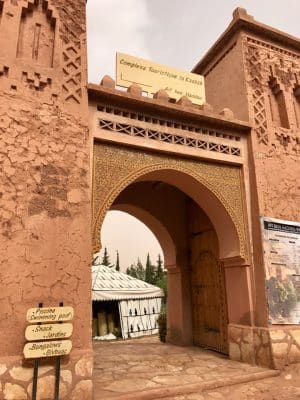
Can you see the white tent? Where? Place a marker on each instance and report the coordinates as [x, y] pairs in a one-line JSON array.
[[139, 303]]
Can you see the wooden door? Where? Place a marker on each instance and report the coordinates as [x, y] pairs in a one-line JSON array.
[[209, 310]]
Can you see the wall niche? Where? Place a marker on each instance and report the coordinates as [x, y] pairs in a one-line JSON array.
[[277, 104], [296, 92], [37, 34], [1, 10]]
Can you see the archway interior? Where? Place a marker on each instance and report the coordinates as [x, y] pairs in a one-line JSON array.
[[128, 279], [197, 311]]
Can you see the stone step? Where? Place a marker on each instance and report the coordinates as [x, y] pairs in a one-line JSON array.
[[195, 388]]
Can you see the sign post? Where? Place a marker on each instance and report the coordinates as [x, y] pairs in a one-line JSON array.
[[47, 338], [35, 372], [57, 371]]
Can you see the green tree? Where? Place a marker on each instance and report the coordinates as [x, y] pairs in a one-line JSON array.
[[105, 259], [150, 275], [131, 270], [136, 270], [140, 270], [159, 269], [118, 262]]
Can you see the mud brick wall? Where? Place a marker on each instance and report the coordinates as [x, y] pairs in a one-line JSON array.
[[45, 244]]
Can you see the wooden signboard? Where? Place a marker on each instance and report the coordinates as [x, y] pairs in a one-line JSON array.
[[48, 331], [51, 314], [42, 329], [47, 349], [153, 77]]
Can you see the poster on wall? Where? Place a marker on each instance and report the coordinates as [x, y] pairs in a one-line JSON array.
[[281, 244]]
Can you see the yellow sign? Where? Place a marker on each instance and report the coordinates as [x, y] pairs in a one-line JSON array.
[[51, 314], [48, 331], [47, 349], [152, 77]]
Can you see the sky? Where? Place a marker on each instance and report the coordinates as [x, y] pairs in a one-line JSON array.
[[130, 237], [172, 32]]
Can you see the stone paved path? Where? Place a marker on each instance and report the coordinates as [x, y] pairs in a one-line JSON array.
[[147, 369], [283, 387]]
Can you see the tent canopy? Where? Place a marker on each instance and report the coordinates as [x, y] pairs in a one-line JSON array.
[[109, 284]]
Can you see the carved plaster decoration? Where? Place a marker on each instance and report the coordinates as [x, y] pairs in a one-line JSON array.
[[275, 49], [50, 46], [284, 75], [72, 73], [4, 71], [254, 67], [72, 35], [37, 84], [36, 81], [272, 82], [179, 139], [115, 168], [37, 34], [296, 91], [148, 118], [290, 142]]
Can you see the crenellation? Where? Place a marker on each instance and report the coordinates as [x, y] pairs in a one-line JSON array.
[[108, 82]]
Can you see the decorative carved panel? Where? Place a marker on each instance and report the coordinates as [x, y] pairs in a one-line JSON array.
[[181, 140], [157, 122], [117, 167], [44, 49], [72, 37], [37, 34], [254, 70], [272, 76], [72, 73]]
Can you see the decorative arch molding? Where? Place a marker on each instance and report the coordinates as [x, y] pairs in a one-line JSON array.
[[158, 229], [115, 168]]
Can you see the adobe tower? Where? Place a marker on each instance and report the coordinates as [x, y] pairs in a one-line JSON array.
[[44, 195], [255, 70]]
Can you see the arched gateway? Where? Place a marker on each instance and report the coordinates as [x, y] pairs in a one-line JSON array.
[[186, 181], [202, 180]]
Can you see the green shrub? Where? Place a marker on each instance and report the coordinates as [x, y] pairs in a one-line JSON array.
[[162, 326]]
